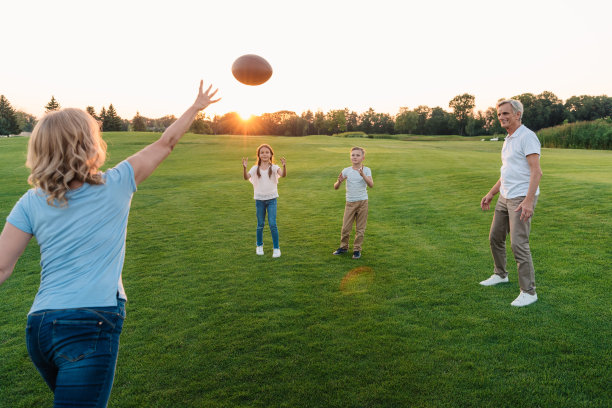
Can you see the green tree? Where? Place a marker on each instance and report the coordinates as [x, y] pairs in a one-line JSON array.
[[8, 118], [543, 110], [92, 112], [139, 125], [491, 123], [406, 121], [102, 117], [229, 124], [551, 109], [26, 121], [585, 107], [295, 126], [53, 105], [366, 121], [112, 122], [476, 125], [440, 122], [160, 124], [383, 124], [352, 120], [462, 106], [319, 122], [423, 112], [336, 122], [201, 125], [308, 116]]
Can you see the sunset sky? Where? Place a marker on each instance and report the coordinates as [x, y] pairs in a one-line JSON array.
[[149, 56]]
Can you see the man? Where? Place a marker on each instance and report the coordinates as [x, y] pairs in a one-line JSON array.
[[519, 189]]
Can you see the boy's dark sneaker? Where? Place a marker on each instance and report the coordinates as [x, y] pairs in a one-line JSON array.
[[340, 251], [356, 254]]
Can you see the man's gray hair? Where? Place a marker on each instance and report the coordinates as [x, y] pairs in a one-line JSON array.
[[516, 105]]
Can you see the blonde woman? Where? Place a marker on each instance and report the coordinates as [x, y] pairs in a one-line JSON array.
[[79, 218]]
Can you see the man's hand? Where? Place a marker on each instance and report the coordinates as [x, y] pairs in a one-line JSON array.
[[526, 209], [485, 203]]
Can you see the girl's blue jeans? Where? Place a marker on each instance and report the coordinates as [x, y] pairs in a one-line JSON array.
[[269, 206], [75, 351]]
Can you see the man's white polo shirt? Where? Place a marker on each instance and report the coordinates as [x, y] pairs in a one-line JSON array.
[[515, 169]]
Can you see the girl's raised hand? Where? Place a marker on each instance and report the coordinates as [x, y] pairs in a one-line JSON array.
[[283, 161], [245, 161]]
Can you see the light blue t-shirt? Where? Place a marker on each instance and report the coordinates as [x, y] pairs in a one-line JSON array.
[[356, 187], [82, 246]]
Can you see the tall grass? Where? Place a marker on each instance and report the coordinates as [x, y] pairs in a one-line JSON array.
[[595, 134], [211, 324]]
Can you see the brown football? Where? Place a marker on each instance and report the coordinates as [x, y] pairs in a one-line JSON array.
[[251, 69]]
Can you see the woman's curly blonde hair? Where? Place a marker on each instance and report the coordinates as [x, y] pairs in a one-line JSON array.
[[65, 145]]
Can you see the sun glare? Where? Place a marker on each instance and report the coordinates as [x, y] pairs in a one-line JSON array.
[[245, 117]]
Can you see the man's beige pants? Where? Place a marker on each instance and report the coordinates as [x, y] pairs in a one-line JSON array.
[[356, 211], [507, 220]]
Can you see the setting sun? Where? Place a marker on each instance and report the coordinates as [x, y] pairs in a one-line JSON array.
[[245, 117]]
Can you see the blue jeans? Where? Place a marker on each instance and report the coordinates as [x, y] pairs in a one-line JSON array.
[[75, 351], [270, 206]]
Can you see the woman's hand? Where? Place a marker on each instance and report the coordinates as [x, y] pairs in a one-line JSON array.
[[205, 98]]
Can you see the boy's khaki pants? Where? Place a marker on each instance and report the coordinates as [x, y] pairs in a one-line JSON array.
[[355, 211], [505, 221]]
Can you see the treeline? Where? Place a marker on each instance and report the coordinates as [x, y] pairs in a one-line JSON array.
[[541, 111], [14, 122]]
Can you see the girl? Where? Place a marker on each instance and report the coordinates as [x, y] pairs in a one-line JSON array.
[[79, 216], [264, 177]]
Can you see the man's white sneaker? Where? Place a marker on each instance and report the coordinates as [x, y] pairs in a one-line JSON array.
[[276, 253], [259, 250], [494, 280], [524, 299]]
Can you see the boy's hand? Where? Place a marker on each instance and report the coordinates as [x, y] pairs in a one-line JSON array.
[[341, 177]]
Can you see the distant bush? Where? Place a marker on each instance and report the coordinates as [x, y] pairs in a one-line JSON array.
[[596, 134], [381, 136], [351, 134]]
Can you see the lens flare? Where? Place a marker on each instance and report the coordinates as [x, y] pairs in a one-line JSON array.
[[357, 280]]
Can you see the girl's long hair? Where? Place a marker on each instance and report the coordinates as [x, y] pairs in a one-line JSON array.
[[271, 159], [65, 145]]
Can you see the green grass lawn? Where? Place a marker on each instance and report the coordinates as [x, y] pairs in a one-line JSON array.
[[211, 324]]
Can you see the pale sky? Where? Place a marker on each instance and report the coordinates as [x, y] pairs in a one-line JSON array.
[[149, 56]]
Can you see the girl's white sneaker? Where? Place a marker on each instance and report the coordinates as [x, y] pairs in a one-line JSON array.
[[276, 253], [259, 250]]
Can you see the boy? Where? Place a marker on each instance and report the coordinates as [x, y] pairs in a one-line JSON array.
[[356, 210]]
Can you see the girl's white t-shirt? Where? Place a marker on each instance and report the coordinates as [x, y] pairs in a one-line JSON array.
[[265, 186]]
